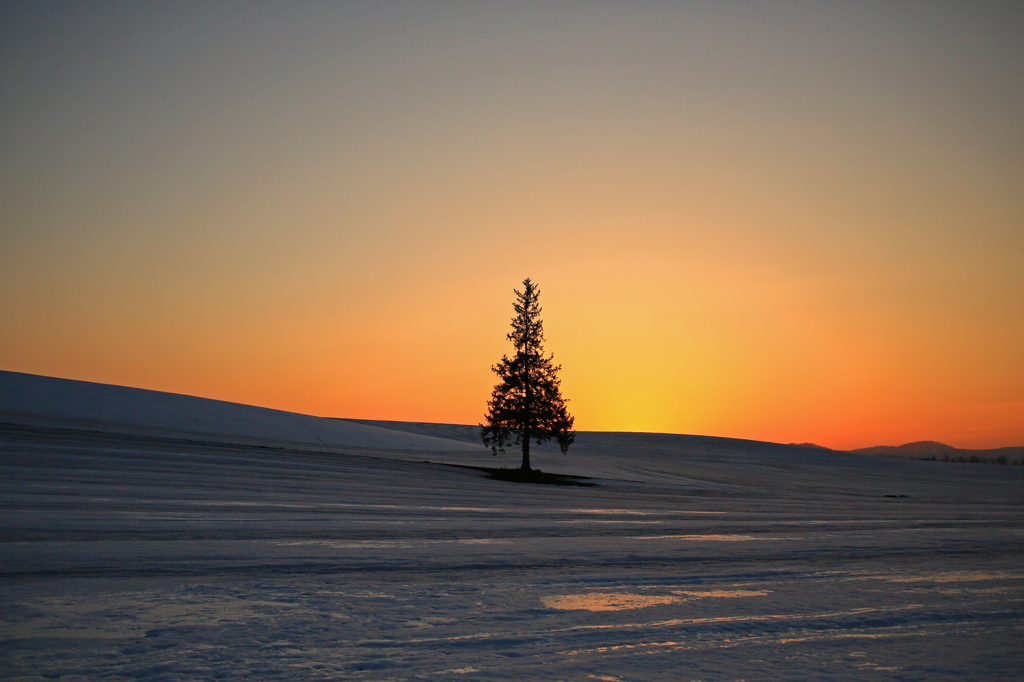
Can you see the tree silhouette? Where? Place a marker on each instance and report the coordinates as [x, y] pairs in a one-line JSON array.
[[527, 404]]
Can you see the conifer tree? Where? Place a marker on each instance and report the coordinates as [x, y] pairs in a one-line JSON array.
[[527, 404]]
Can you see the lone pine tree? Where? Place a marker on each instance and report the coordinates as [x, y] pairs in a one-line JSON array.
[[527, 404]]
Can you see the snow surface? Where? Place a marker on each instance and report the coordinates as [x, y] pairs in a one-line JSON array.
[[136, 548]]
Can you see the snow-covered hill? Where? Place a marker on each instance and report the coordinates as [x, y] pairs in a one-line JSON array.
[[46, 401], [132, 548]]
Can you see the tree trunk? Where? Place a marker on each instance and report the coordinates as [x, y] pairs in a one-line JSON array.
[[526, 430]]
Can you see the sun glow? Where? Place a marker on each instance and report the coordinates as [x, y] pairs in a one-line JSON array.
[[750, 238]]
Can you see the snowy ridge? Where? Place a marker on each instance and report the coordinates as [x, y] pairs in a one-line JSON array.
[[705, 462], [29, 399]]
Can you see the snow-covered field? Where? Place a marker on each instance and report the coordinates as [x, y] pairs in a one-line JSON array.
[[155, 537]]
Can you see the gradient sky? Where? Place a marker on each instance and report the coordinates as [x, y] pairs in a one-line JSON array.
[[781, 221]]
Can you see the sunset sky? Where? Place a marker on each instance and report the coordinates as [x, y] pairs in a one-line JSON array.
[[788, 221]]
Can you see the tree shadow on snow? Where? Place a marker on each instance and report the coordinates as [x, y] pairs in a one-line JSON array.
[[532, 476]]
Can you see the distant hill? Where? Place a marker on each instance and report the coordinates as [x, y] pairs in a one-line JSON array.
[[929, 449]]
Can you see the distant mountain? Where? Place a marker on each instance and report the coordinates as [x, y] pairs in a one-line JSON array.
[[930, 449]]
